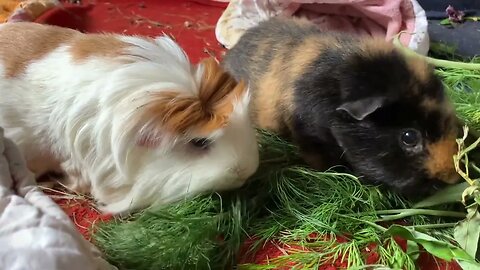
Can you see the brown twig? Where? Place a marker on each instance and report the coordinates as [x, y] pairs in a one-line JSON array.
[[210, 53], [137, 20], [202, 26]]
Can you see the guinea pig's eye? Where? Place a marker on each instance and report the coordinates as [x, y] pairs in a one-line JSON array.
[[201, 143], [410, 137]]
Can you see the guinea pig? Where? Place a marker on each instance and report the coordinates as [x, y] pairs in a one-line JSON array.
[[350, 100], [128, 119]]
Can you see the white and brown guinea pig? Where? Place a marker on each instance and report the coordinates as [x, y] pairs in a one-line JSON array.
[[126, 118], [349, 100]]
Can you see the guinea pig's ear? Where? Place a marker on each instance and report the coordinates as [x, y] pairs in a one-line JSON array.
[[359, 109]]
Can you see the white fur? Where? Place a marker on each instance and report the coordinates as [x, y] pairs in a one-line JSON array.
[[80, 118]]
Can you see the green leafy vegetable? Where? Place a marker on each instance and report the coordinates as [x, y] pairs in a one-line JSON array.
[[440, 249], [448, 195], [413, 250], [467, 232]]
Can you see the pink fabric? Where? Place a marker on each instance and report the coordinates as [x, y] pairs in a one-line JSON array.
[[371, 17], [385, 18]]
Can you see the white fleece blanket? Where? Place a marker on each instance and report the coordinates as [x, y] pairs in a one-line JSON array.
[[35, 233]]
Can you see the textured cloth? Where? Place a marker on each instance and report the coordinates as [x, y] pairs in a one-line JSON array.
[[35, 233], [384, 18]]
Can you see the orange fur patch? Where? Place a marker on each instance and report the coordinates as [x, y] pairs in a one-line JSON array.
[[372, 47], [431, 104], [22, 43], [439, 163], [102, 45], [420, 68], [307, 52], [445, 107], [202, 114], [268, 97], [274, 100]]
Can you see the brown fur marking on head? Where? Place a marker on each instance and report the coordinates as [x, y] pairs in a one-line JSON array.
[[421, 71], [439, 163], [431, 104], [202, 114], [419, 67], [445, 106], [103, 45], [22, 42]]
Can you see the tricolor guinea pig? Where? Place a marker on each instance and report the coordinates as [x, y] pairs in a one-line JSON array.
[[350, 100], [128, 119]]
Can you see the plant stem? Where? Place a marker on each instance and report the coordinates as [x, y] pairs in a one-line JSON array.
[[418, 211], [470, 147], [433, 226], [369, 266], [376, 226], [457, 158], [402, 213], [434, 61], [474, 166]]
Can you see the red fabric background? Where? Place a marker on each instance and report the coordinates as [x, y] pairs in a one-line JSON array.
[[192, 25]]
